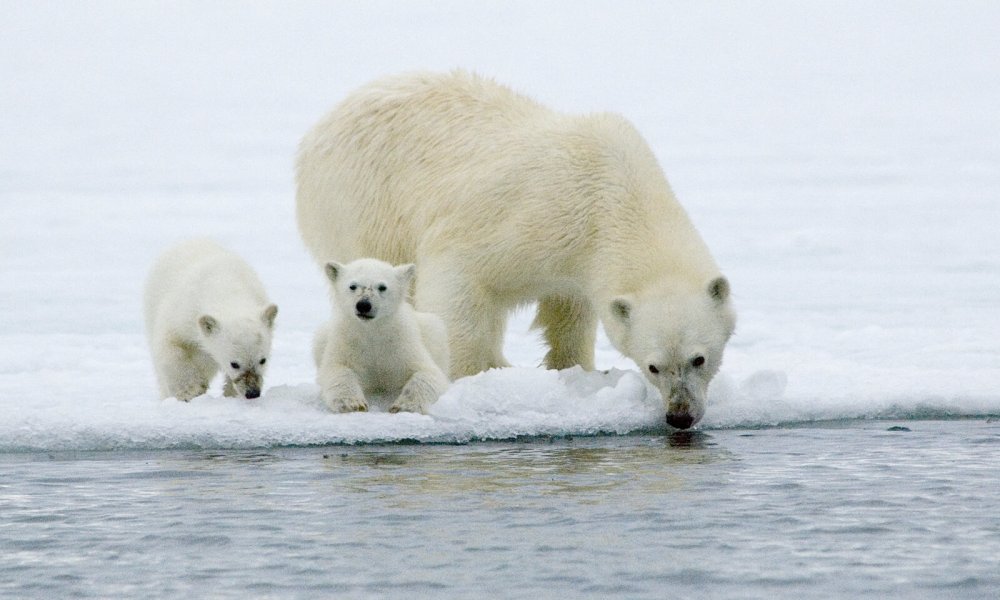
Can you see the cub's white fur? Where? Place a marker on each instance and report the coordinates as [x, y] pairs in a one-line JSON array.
[[376, 343], [206, 311], [501, 201]]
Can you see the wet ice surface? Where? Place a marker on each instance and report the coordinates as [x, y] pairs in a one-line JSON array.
[[850, 510]]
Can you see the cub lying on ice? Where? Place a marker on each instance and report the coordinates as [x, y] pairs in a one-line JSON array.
[[207, 311], [376, 343]]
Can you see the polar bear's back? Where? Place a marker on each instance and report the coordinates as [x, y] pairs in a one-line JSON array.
[[455, 168], [416, 150], [198, 276]]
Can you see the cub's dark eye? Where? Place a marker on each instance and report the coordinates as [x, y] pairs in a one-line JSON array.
[[698, 361], [382, 288], [263, 360], [653, 369], [234, 365], [353, 287]]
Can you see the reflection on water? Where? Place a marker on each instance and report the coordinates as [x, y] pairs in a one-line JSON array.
[[582, 469], [689, 439], [247, 457]]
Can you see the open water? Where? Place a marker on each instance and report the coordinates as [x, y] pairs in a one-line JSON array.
[[904, 509]]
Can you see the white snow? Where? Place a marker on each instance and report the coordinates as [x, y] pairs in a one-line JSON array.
[[840, 158]]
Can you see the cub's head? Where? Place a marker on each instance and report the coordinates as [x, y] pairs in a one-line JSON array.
[[369, 289], [677, 339], [240, 346]]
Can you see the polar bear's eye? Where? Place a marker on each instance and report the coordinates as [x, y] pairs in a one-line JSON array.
[[653, 369], [353, 287], [698, 361], [382, 288], [234, 365], [263, 360]]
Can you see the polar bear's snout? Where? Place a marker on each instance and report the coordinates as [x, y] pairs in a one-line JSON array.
[[249, 382], [364, 309], [685, 406]]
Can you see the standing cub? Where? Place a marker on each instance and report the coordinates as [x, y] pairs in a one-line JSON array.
[[207, 311], [376, 343]]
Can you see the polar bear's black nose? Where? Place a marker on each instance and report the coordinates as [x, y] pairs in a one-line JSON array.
[[253, 393], [680, 420], [364, 307]]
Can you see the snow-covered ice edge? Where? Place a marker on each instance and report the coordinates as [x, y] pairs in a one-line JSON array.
[[501, 404]]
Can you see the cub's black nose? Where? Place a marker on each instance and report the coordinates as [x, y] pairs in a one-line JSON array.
[[680, 420], [253, 393], [364, 307]]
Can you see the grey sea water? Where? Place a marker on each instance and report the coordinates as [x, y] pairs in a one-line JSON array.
[[906, 509]]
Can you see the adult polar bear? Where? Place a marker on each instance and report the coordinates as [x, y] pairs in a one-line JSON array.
[[501, 201]]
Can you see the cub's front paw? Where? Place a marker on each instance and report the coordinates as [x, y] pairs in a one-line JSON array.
[[411, 403], [190, 391]]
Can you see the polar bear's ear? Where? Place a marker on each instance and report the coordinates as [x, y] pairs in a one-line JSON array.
[[405, 273], [333, 270], [621, 308], [718, 289], [208, 324], [269, 314]]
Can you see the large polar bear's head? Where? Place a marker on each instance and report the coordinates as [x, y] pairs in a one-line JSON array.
[[240, 346], [368, 289], [677, 339]]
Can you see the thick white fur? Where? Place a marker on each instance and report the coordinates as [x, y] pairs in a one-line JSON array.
[[205, 310], [501, 201], [396, 351]]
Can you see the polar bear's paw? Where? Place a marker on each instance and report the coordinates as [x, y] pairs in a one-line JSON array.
[[419, 393], [409, 404], [189, 390], [348, 404]]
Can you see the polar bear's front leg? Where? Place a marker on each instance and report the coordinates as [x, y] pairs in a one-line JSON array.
[[341, 389], [422, 389], [474, 320], [188, 385], [569, 326], [183, 370]]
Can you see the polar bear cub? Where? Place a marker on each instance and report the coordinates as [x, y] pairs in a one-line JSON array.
[[376, 343], [206, 311]]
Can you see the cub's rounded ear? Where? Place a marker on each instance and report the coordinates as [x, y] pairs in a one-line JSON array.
[[269, 314], [718, 289], [207, 324], [621, 308], [333, 270], [405, 273]]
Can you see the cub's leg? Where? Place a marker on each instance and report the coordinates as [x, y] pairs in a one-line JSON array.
[[341, 389], [183, 371], [423, 389]]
